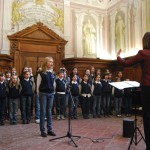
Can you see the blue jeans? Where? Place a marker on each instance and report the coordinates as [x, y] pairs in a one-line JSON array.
[[13, 109], [26, 107], [46, 104], [96, 105], [74, 105], [118, 104], [106, 103], [37, 107]]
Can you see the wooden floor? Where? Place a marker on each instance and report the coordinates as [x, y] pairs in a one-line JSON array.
[[95, 134]]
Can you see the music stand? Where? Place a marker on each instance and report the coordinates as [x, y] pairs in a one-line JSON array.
[[69, 134], [130, 84], [136, 128]]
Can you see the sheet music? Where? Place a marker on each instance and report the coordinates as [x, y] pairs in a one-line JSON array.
[[125, 84]]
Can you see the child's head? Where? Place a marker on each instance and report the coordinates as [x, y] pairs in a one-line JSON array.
[[92, 69], [117, 79], [7, 74], [74, 78], [119, 74], [87, 72], [26, 74], [30, 70], [85, 78], [2, 76], [14, 79], [106, 75], [25, 69], [97, 78], [75, 70], [98, 72], [13, 71], [61, 74], [110, 76]]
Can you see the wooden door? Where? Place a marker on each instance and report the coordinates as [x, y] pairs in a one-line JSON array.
[[34, 43], [34, 61]]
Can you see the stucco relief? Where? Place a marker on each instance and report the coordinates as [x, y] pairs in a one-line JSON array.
[[29, 11], [89, 38], [120, 31], [17, 15]]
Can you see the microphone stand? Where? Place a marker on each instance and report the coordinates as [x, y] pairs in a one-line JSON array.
[[69, 134]]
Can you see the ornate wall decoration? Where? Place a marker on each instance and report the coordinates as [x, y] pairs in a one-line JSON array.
[[120, 31], [58, 17], [89, 38], [17, 15], [27, 12], [40, 2]]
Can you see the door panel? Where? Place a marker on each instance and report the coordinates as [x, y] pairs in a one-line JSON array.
[[34, 61]]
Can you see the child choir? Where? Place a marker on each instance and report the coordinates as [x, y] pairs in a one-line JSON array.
[[92, 93]]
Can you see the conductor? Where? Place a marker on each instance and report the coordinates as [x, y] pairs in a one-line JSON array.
[[143, 58]]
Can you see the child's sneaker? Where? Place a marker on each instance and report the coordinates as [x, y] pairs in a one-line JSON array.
[[37, 121], [62, 117], [58, 117]]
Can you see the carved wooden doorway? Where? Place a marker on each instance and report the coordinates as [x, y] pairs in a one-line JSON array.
[[29, 46]]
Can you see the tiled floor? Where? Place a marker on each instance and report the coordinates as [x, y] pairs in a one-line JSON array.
[[96, 134]]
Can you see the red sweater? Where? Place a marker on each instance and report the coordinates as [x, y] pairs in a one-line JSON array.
[[143, 58]]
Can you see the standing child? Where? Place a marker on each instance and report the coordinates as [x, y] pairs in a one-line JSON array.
[[75, 96], [106, 94], [45, 90], [60, 95], [118, 94], [13, 94], [2, 98], [85, 91], [7, 81], [97, 91], [27, 88]]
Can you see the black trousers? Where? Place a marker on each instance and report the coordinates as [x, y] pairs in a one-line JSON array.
[[85, 106], [145, 95]]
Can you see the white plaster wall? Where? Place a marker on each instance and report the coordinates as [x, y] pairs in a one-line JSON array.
[[102, 11], [6, 26], [1, 24]]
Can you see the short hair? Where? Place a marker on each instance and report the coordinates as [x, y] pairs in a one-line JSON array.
[[25, 72], [61, 71], [7, 72], [2, 74]]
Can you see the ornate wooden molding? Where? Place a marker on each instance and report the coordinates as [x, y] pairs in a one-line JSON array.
[[29, 47], [5, 62], [38, 32], [84, 63]]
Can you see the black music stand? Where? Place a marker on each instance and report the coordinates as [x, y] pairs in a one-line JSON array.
[[134, 138], [69, 134], [130, 84]]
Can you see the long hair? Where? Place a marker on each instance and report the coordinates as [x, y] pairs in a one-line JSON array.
[[44, 65], [11, 84], [146, 40]]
